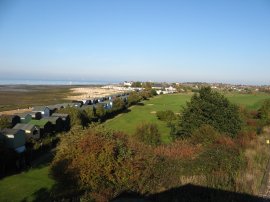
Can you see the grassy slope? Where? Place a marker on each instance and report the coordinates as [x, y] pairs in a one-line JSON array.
[[252, 101], [23, 186], [138, 114], [128, 122]]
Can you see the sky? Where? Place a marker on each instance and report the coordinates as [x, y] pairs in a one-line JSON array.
[[148, 40]]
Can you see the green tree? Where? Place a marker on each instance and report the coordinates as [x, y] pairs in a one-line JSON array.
[[148, 133], [147, 85], [212, 108], [136, 84], [118, 105], [264, 112], [77, 116], [100, 111], [134, 98], [90, 112]]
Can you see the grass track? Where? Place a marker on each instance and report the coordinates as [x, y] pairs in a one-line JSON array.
[[23, 186]]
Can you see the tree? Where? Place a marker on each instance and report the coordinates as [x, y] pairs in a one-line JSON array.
[[134, 98], [118, 105], [212, 108], [90, 112], [136, 84], [147, 85], [77, 116], [100, 111], [264, 112], [148, 133]]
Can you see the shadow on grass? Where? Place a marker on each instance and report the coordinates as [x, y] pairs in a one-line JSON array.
[[186, 193], [192, 193], [139, 104]]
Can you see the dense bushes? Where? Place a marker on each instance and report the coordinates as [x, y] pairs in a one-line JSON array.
[[77, 117], [166, 115], [4, 122], [212, 108], [148, 133], [264, 112], [103, 163]]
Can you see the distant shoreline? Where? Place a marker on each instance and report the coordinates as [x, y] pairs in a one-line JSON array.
[[53, 82]]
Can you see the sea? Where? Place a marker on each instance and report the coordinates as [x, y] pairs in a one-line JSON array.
[[53, 82]]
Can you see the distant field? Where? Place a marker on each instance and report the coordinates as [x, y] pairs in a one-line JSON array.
[[24, 96], [251, 101], [128, 122], [26, 186]]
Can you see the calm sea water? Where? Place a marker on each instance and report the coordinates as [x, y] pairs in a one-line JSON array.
[[53, 82]]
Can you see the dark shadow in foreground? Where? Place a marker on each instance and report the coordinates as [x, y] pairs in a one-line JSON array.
[[192, 193]]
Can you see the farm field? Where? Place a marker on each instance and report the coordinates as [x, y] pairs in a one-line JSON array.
[[128, 122]]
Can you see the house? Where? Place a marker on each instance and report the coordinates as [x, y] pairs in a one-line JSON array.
[[75, 104], [25, 117], [99, 100], [56, 122], [35, 115], [128, 84], [31, 131], [14, 139], [12, 119], [65, 119], [44, 125], [52, 108], [86, 102], [45, 111], [83, 107], [107, 104]]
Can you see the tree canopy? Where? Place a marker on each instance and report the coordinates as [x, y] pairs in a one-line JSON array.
[[212, 108]]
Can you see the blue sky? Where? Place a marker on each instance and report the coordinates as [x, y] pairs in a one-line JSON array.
[[115, 40]]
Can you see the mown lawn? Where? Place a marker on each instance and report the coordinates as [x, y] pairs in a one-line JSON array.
[[128, 122], [251, 101], [25, 186]]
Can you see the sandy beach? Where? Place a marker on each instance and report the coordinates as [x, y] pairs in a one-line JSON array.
[[91, 92]]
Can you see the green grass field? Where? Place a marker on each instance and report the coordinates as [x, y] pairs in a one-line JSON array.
[[251, 101], [128, 122], [25, 186]]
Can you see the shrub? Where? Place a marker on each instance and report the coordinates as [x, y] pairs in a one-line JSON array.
[[264, 112], [4, 122], [167, 115], [204, 135], [77, 117], [103, 164], [148, 133]]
